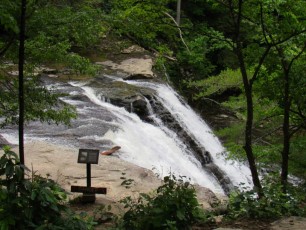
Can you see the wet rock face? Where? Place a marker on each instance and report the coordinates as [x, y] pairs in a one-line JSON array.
[[138, 76], [135, 104], [139, 106], [216, 115], [200, 153], [221, 176], [173, 125], [121, 94]]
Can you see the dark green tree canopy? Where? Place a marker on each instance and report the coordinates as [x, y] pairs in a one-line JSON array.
[[55, 31]]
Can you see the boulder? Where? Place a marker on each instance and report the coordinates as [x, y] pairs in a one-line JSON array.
[[134, 68]]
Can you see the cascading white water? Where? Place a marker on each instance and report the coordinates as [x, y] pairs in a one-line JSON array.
[[158, 147], [151, 147], [195, 126], [144, 144]]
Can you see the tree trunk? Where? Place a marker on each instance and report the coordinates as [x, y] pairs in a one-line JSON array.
[[287, 65], [249, 98], [286, 133], [178, 12], [21, 80], [286, 124], [249, 123], [286, 121]]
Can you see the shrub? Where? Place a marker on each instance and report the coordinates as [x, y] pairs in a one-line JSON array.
[[35, 203], [173, 206], [274, 204]]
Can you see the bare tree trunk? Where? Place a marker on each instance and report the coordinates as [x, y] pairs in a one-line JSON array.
[[249, 124], [249, 97], [286, 65], [178, 12], [286, 133], [286, 122], [21, 81]]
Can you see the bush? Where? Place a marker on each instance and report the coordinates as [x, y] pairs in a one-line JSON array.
[[274, 204], [173, 206], [35, 203]]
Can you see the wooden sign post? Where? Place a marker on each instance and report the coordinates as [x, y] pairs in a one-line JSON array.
[[88, 157]]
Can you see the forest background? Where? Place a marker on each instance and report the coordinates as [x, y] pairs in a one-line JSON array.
[[244, 57]]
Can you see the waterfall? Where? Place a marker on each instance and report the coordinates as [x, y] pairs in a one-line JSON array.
[[195, 126], [154, 146], [160, 148]]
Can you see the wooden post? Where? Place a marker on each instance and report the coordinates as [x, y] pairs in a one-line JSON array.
[[88, 169]]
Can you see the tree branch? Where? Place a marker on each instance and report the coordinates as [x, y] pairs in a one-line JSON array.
[[180, 31]]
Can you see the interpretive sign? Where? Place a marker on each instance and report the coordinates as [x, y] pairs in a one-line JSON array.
[[88, 156]]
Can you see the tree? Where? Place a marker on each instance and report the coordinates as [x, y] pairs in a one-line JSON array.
[[284, 28], [237, 11], [178, 12], [54, 34], [146, 22], [51, 36], [264, 33], [21, 85]]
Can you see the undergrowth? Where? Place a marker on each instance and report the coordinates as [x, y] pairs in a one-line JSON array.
[[173, 205], [34, 203], [273, 205]]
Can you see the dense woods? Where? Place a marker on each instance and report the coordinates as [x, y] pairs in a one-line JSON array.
[[247, 57]]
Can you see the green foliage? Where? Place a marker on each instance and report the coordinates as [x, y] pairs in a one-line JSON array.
[[273, 205], [297, 157], [145, 21], [36, 203], [215, 85], [40, 103], [194, 59], [81, 65], [81, 26], [173, 206], [7, 21], [42, 48], [53, 30], [102, 214]]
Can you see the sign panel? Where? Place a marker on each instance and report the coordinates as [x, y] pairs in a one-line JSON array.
[[90, 190], [88, 156]]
